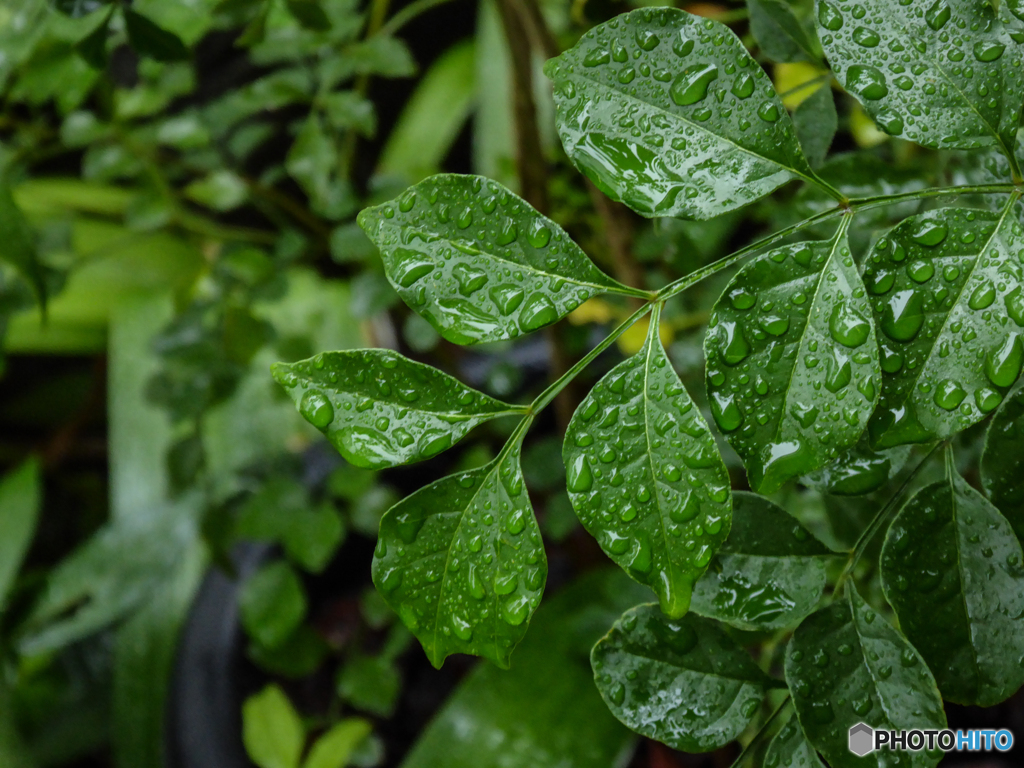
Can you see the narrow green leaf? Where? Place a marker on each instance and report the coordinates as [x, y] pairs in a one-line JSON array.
[[19, 514], [645, 476], [816, 124], [478, 262], [780, 33], [789, 749], [309, 14], [952, 570], [945, 74], [792, 362], [683, 682], [273, 604], [272, 731], [19, 248], [668, 113], [846, 665], [947, 289], [380, 409], [462, 563], [149, 39], [334, 748], [769, 573], [1002, 461]]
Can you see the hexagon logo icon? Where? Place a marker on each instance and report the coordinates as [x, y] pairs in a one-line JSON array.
[[862, 739]]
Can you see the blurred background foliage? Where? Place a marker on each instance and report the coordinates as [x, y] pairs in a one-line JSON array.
[[178, 186]]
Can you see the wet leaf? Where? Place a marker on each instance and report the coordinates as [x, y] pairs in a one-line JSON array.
[[846, 665], [816, 123], [769, 573], [645, 476], [683, 682], [380, 409], [1002, 462], [151, 40], [668, 113], [942, 73], [952, 570], [792, 363], [462, 563], [781, 33], [478, 262], [858, 470], [789, 749], [947, 290]]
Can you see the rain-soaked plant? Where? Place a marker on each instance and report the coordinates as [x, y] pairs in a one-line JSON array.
[[821, 363]]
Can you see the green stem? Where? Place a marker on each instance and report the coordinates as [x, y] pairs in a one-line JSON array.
[[407, 14], [549, 394], [760, 735]]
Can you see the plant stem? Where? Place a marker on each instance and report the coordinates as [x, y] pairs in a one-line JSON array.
[[761, 732]]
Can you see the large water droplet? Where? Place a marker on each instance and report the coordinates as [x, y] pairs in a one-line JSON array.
[[409, 266], [316, 409], [736, 347], [929, 233], [982, 296], [830, 17], [725, 411], [867, 81], [865, 37], [949, 394], [691, 85], [743, 88], [903, 315], [537, 312], [1015, 306], [1003, 366], [938, 15], [470, 279], [985, 50], [578, 476], [847, 326]]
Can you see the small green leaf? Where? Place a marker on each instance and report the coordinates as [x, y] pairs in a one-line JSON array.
[[668, 113], [19, 246], [1002, 461], [149, 39], [370, 684], [780, 33], [846, 665], [683, 682], [93, 47], [273, 603], [462, 563], [312, 161], [19, 513], [957, 83], [380, 409], [792, 363], [272, 731], [335, 748], [645, 476], [478, 262], [769, 573], [816, 124], [952, 570], [858, 470], [947, 291], [790, 749], [309, 14]]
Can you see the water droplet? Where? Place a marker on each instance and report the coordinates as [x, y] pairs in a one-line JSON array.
[[725, 411], [617, 694], [743, 88], [903, 315], [597, 57], [514, 612], [867, 81], [741, 298], [987, 399], [929, 233], [830, 17], [920, 271], [539, 235], [985, 50], [537, 312], [938, 15], [982, 296], [469, 278], [507, 298], [1004, 365], [505, 584], [643, 557], [475, 584], [463, 629], [847, 326], [949, 394], [691, 85], [865, 37], [774, 324], [736, 347], [578, 476], [1015, 306], [410, 266], [769, 112], [316, 409]]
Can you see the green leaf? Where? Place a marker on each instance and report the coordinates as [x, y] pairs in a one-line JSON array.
[[93, 47], [309, 14], [769, 573], [947, 289], [380, 409], [952, 570], [78, 8], [789, 749], [645, 476], [297, 657], [478, 262], [790, 321], [683, 682], [668, 113], [334, 748], [780, 33], [816, 123], [956, 83], [313, 536], [19, 248], [370, 684], [1002, 461], [312, 160], [859, 470], [347, 109], [149, 39], [846, 665], [462, 563], [19, 514], [272, 731], [273, 604]]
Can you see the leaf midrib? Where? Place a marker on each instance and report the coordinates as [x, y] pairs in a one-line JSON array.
[[963, 585]]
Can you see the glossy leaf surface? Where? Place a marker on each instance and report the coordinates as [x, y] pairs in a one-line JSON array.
[[380, 409], [1002, 462], [683, 682], [789, 749], [769, 573], [859, 470], [668, 113], [947, 291], [943, 74], [952, 570], [462, 563], [645, 476], [792, 362], [846, 665], [478, 262]]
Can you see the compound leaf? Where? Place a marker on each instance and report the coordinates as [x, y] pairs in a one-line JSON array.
[[1002, 461], [947, 290], [668, 113], [462, 563], [789, 749], [951, 568], [478, 262], [945, 74], [645, 476], [769, 573], [846, 665], [683, 682], [792, 362], [380, 409]]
